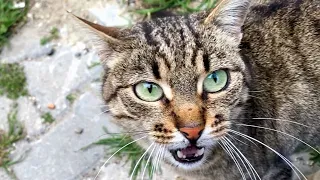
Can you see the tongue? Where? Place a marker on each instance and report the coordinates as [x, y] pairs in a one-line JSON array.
[[190, 151]]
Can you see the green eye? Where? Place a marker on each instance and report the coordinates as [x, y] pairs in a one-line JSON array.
[[148, 91], [215, 81]]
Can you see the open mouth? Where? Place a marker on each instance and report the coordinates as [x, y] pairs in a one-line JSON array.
[[190, 154]]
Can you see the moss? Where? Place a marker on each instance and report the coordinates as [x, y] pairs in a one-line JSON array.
[[7, 139], [12, 80], [315, 156], [47, 118], [71, 98], [54, 34]]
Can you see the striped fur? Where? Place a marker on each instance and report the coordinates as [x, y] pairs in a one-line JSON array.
[[279, 58]]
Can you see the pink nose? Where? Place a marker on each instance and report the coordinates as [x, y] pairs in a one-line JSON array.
[[192, 133]]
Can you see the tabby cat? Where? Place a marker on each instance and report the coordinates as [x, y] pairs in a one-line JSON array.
[[227, 94]]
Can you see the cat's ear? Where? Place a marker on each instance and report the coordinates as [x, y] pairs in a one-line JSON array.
[[229, 15], [106, 41]]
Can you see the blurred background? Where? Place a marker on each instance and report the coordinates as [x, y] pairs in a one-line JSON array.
[[50, 78]]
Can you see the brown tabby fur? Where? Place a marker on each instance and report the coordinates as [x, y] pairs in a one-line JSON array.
[[274, 83]]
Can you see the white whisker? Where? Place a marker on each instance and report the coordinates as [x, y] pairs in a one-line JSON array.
[[233, 158], [281, 133], [281, 120], [142, 156], [280, 155], [234, 138], [256, 91], [158, 162], [244, 157], [145, 167], [244, 163], [155, 161], [115, 154]]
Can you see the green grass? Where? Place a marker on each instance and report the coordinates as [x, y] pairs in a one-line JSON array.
[[94, 64], [14, 134], [71, 98], [132, 153], [9, 17], [54, 34], [47, 118], [180, 6], [12, 80], [315, 156]]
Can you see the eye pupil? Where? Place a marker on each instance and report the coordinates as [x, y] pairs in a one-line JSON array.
[[150, 87], [215, 78]]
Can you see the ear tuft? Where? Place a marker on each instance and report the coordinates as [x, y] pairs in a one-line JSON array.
[[229, 15]]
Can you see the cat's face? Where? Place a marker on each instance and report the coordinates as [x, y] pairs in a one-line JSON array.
[[177, 80]]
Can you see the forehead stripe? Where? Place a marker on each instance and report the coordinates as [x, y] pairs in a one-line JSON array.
[[206, 62], [155, 70]]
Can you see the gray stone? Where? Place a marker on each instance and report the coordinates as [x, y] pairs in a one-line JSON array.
[[57, 155], [5, 104], [30, 117], [51, 79], [4, 175], [25, 45], [109, 14]]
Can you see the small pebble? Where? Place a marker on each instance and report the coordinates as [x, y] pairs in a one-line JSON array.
[[33, 100], [51, 106], [37, 5], [39, 107], [310, 163], [85, 51], [79, 130], [19, 5], [78, 55], [51, 52]]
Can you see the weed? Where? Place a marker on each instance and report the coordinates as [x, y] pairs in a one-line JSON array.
[[71, 98], [315, 156], [132, 152], [12, 80], [54, 34], [47, 118], [7, 139], [181, 6], [94, 64], [9, 17]]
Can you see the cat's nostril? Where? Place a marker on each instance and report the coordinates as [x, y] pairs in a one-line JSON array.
[[200, 132], [184, 133]]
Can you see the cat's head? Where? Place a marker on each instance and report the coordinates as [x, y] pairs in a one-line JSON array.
[[179, 80]]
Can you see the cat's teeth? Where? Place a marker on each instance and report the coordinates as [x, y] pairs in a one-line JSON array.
[[200, 152], [180, 155], [184, 157]]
